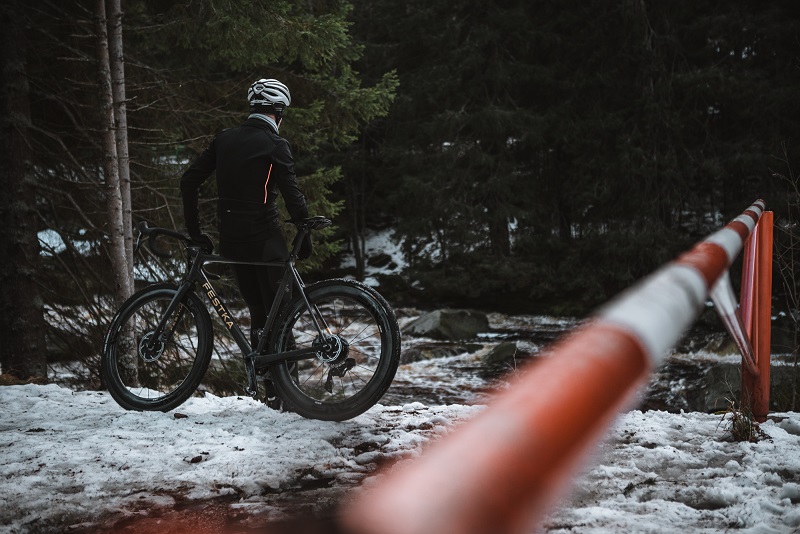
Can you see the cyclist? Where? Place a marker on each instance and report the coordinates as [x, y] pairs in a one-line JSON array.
[[253, 163]]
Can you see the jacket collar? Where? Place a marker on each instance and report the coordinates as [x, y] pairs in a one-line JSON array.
[[258, 117]]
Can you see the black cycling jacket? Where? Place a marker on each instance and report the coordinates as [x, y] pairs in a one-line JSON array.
[[253, 163]]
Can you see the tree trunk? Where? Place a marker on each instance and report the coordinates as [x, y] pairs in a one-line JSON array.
[[22, 350], [117, 68], [355, 200], [499, 236], [123, 282], [114, 207]]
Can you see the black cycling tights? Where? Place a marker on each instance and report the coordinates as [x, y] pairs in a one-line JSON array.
[[258, 284]]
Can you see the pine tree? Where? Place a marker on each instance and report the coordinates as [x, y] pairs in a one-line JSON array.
[[187, 70], [555, 152], [307, 47], [22, 352]]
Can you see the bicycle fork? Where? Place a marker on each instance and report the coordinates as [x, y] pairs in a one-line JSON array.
[[153, 343]]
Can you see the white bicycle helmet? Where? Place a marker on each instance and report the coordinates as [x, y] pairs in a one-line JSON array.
[[269, 92]]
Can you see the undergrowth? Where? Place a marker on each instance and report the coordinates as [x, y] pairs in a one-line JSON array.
[[741, 424]]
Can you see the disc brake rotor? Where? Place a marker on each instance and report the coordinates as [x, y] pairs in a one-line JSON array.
[[332, 349], [151, 348]]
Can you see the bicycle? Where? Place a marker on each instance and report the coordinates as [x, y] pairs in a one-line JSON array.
[[331, 349]]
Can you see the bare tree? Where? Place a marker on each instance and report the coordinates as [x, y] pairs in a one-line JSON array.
[[787, 255], [114, 202], [117, 69], [115, 147]]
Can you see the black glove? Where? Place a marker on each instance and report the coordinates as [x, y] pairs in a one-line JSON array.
[[305, 248], [202, 240]]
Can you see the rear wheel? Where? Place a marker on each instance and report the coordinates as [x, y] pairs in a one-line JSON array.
[[149, 370], [357, 356]]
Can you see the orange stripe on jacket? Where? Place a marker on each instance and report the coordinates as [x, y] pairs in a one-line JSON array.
[[269, 172]]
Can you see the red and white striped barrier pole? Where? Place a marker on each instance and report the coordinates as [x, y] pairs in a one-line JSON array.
[[501, 471], [756, 307]]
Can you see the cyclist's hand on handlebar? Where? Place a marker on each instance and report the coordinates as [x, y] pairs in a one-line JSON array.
[[202, 240], [305, 248]]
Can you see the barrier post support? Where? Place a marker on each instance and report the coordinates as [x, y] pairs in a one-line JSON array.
[[756, 306]]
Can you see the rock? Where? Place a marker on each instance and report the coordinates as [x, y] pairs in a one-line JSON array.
[[380, 259], [699, 385], [430, 351], [451, 325], [501, 354]]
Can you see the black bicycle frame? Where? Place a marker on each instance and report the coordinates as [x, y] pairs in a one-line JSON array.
[[253, 357]]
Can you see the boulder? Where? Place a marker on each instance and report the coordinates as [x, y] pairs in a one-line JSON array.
[[450, 325], [501, 354]]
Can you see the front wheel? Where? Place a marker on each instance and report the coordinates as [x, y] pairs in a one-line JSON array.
[[357, 353], [147, 368]]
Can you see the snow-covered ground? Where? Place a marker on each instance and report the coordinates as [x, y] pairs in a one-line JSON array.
[[75, 461], [69, 458], [662, 472]]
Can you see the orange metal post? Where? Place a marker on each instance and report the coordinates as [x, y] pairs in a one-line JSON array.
[[747, 291], [756, 314]]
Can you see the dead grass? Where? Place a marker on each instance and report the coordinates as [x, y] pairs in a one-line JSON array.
[[8, 379]]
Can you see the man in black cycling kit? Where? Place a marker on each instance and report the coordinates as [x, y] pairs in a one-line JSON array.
[[253, 163]]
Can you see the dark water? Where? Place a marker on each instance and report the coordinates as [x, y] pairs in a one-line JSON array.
[[702, 373]]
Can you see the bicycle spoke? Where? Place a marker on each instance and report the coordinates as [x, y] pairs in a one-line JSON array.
[[159, 370], [340, 319], [356, 356], [353, 340]]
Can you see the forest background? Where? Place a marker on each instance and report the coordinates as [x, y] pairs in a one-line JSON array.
[[529, 156]]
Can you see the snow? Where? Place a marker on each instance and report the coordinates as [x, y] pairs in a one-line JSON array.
[[662, 472], [378, 242], [70, 459]]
